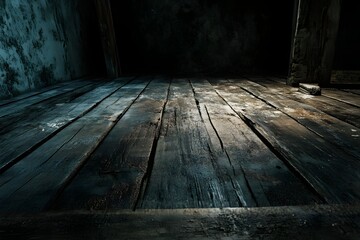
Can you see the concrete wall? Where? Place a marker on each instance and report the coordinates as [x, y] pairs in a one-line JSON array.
[[203, 35], [43, 42]]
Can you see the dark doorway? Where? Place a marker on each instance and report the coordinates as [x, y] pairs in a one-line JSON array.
[[203, 36], [346, 63], [347, 45]]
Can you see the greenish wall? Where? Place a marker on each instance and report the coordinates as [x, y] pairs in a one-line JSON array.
[[43, 42]]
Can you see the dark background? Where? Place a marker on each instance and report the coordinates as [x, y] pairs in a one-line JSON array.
[[203, 36], [348, 39]]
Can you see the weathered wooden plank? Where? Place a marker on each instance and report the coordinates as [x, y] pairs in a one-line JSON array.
[[34, 181], [340, 110], [25, 103], [312, 89], [327, 168], [12, 121], [116, 172], [28, 135], [354, 91], [335, 222], [270, 180], [333, 130], [341, 96], [186, 172], [37, 92]]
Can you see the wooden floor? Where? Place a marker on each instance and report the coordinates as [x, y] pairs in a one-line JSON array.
[[160, 143]]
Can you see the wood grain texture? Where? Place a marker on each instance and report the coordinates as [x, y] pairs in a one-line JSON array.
[[187, 143], [37, 92], [27, 135], [331, 129], [318, 162], [185, 171], [348, 98], [15, 120], [35, 99], [32, 183], [332, 107], [269, 179], [117, 170]]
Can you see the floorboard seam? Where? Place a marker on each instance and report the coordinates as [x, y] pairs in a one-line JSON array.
[[279, 109], [37, 145], [282, 85], [277, 153], [12, 119], [232, 166], [349, 91], [147, 175], [216, 132], [40, 92], [50, 98], [299, 122], [241, 202], [72, 175], [339, 100]]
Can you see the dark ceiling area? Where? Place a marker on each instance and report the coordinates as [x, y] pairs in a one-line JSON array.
[[203, 36]]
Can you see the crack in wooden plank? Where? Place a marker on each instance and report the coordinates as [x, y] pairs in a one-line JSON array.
[[35, 93], [273, 149], [11, 162], [79, 166], [16, 120], [236, 187], [240, 197], [48, 159], [147, 174], [321, 124], [216, 132], [279, 109], [332, 108], [333, 95], [8, 110]]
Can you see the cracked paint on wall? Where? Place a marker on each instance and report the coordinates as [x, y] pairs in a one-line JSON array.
[[42, 43]]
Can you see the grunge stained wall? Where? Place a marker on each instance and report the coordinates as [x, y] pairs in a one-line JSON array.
[[44, 42]]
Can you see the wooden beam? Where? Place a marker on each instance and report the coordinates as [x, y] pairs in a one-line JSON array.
[[108, 38], [313, 47], [296, 222]]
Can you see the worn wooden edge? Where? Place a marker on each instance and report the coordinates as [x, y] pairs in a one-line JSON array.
[[26, 95], [353, 91], [57, 181], [298, 222], [11, 161], [44, 97], [331, 133], [344, 97], [311, 89], [338, 109]]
